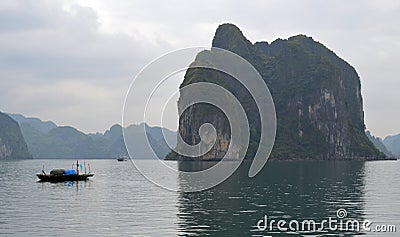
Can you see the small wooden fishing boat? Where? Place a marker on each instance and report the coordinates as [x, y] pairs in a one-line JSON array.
[[122, 158], [63, 175]]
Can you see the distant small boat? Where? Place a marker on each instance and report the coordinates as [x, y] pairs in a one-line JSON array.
[[63, 175], [122, 158]]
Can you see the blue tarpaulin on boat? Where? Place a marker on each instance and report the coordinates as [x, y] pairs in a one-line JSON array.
[[70, 172]]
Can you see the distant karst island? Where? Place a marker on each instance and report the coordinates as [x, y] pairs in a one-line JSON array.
[[25, 137], [12, 143], [317, 96]]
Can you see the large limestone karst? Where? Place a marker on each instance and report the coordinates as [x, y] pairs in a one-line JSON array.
[[317, 97]]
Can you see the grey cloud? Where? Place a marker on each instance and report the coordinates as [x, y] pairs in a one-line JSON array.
[[58, 65], [48, 46]]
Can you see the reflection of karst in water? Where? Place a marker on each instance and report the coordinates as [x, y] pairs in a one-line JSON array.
[[283, 190]]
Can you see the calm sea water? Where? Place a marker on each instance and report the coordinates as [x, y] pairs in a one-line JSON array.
[[118, 201]]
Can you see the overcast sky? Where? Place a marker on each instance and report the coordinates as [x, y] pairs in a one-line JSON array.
[[72, 61]]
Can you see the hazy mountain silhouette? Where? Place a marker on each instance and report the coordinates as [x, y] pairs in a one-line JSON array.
[[47, 140]]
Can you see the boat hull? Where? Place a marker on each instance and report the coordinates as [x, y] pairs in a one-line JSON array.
[[62, 178]]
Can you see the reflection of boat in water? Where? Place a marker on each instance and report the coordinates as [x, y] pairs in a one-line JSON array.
[[122, 158], [62, 175]]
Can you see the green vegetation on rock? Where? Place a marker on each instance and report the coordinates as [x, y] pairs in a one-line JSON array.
[[317, 97]]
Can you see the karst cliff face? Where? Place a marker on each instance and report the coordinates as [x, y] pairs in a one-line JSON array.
[[317, 98], [12, 143]]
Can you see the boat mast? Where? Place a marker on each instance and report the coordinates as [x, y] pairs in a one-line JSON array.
[[77, 167]]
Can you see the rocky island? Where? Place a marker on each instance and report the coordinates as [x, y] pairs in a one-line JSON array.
[[317, 97], [12, 143]]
